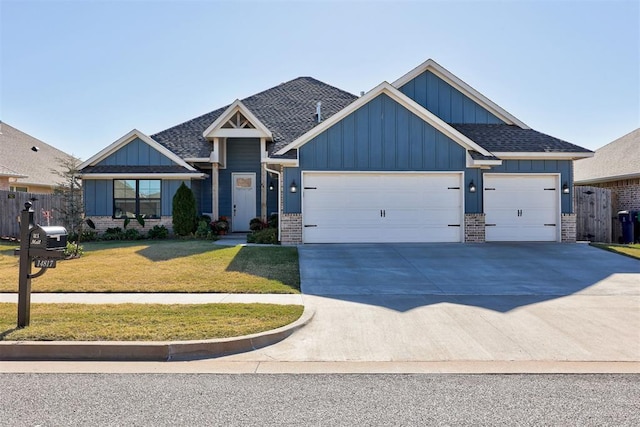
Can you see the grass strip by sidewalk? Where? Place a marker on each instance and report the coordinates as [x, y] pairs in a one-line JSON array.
[[144, 322], [164, 266], [632, 251]]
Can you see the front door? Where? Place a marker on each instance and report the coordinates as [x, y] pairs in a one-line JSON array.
[[244, 200]]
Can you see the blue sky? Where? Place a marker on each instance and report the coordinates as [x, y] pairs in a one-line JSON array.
[[80, 74]]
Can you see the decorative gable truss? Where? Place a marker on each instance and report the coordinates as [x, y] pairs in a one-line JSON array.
[[236, 122]]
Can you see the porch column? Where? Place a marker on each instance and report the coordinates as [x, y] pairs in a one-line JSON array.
[[263, 192], [214, 191]]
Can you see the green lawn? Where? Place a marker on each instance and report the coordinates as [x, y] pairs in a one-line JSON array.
[[143, 322], [164, 266], [630, 250]]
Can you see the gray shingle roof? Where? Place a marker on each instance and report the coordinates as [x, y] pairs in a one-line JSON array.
[[136, 169], [510, 138], [16, 154], [287, 110], [620, 158]]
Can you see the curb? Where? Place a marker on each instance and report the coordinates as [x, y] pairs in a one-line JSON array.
[[147, 351]]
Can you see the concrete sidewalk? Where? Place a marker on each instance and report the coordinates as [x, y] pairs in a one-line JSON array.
[[156, 298]]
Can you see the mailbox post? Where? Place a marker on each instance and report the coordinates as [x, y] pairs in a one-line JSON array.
[[24, 282], [44, 245]]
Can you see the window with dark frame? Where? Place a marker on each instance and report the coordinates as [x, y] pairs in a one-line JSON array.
[[133, 197]]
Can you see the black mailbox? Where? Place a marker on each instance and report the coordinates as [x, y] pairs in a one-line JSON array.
[[47, 242]]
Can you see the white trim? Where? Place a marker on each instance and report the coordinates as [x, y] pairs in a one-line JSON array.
[[283, 162], [280, 208], [215, 129], [402, 99], [198, 159], [143, 176], [130, 136], [456, 82], [473, 163], [558, 177], [507, 155]]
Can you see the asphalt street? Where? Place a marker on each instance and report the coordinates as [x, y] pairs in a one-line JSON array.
[[333, 399]]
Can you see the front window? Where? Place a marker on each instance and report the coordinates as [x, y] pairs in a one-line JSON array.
[[133, 197], [19, 189]]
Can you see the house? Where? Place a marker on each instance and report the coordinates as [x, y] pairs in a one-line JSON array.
[[28, 164], [615, 166], [426, 158]]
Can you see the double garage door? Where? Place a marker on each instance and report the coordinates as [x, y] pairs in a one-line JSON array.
[[521, 207], [382, 207], [358, 207]]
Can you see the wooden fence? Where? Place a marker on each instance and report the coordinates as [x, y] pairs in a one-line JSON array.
[[593, 213], [45, 210]]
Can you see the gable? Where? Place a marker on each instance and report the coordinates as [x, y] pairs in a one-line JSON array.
[[382, 135], [136, 153], [445, 101]]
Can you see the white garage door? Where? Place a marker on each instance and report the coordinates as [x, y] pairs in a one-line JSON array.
[[521, 208], [381, 207]]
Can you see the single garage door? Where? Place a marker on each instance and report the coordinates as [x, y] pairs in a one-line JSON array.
[[381, 207], [521, 208]]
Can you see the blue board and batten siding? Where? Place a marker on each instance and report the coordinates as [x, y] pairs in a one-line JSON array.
[[380, 136], [136, 153], [445, 101]]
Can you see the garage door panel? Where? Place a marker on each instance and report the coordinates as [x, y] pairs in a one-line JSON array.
[[384, 207], [521, 207]]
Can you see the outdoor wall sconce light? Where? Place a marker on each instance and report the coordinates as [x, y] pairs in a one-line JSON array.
[[472, 187], [294, 186], [565, 188], [271, 187]]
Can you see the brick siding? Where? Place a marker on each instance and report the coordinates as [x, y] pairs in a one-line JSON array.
[[104, 222], [474, 228], [291, 229], [568, 228]]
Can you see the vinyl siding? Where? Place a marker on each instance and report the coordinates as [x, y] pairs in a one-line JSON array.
[[445, 101], [380, 136], [136, 153]]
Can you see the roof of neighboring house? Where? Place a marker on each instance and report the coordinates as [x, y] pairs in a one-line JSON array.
[[6, 172], [619, 159], [510, 138], [35, 166], [288, 110]]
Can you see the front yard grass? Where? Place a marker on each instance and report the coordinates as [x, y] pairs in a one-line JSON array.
[[144, 322], [164, 266], [632, 250]]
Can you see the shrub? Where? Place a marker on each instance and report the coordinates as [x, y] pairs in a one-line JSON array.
[[221, 225], [132, 234], [273, 221], [73, 250], [204, 230], [256, 224], [184, 211], [113, 233], [268, 236], [158, 232]]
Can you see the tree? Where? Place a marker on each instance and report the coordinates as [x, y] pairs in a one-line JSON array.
[[71, 213], [184, 211]]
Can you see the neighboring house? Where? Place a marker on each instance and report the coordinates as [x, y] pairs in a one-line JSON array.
[[615, 166], [424, 159], [25, 169]]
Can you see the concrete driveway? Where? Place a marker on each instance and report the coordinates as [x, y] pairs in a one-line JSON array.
[[465, 302]]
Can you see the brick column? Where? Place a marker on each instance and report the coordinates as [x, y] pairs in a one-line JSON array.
[[568, 228], [474, 228], [291, 229]]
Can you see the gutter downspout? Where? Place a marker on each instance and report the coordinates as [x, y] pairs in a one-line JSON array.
[[266, 167]]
